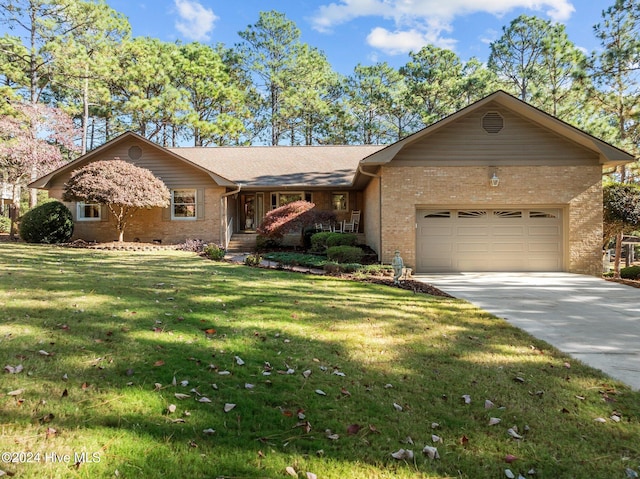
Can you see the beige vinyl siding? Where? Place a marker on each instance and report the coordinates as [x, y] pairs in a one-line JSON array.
[[520, 142], [173, 172], [370, 220]]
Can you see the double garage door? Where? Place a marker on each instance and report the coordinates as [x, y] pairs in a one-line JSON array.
[[489, 240]]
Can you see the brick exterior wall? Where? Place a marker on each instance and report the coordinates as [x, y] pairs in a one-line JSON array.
[[152, 224], [576, 189]]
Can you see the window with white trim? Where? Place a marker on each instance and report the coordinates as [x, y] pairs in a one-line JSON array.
[[184, 204], [88, 211], [284, 198], [340, 201]]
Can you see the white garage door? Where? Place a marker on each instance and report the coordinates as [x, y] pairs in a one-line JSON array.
[[489, 240]]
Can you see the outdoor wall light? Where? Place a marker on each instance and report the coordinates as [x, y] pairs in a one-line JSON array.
[[495, 181]]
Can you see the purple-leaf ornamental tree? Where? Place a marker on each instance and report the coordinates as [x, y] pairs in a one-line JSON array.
[[292, 217], [121, 186]]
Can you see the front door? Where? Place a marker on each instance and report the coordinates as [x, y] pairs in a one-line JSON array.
[[248, 212]]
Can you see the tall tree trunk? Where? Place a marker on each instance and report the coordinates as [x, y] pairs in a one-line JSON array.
[[616, 264]]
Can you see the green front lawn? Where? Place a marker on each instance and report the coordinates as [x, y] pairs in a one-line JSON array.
[[135, 359]]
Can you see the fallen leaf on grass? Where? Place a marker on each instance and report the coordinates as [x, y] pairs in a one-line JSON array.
[[344, 392], [304, 424], [208, 431], [401, 454], [311, 475], [397, 406], [321, 392], [436, 438], [13, 369], [431, 452], [239, 361], [44, 353], [488, 404], [509, 458], [172, 408], [353, 429], [181, 396], [466, 398], [160, 362], [331, 435], [204, 399], [291, 471], [15, 392], [494, 420], [513, 433], [306, 373], [228, 407]]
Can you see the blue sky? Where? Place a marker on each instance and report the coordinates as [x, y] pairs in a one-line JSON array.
[[363, 31]]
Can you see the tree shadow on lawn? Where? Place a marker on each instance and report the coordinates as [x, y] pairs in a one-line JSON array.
[[366, 347]]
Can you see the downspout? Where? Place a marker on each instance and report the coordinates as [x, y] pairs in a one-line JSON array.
[[366, 173], [223, 226]]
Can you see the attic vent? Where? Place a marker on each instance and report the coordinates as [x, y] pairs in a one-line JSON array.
[[135, 152], [492, 122]]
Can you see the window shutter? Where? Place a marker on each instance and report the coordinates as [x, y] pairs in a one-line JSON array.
[[200, 203], [104, 213]]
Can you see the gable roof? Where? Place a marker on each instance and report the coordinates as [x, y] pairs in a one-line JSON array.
[[44, 181], [609, 155], [286, 166]]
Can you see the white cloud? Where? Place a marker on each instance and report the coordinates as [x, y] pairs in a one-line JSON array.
[[399, 42], [196, 21], [419, 22]]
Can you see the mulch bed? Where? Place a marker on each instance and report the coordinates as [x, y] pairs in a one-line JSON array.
[[408, 284], [628, 282]]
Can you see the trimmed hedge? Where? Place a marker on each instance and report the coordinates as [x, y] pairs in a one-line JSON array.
[[326, 239], [632, 272], [345, 254], [48, 223]]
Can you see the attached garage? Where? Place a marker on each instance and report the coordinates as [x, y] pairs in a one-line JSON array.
[[452, 240]]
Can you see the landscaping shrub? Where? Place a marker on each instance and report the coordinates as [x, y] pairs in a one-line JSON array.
[[350, 267], [319, 241], [214, 252], [378, 269], [326, 239], [5, 224], [297, 259], [331, 267], [632, 272], [345, 254], [264, 243], [341, 239], [253, 260], [48, 223]]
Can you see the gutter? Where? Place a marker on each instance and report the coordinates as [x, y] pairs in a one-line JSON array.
[[366, 173], [223, 225]]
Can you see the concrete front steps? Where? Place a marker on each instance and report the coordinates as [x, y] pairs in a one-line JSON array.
[[242, 243]]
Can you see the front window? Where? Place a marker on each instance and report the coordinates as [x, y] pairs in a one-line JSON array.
[[339, 201], [88, 212], [284, 198], [183, 204]]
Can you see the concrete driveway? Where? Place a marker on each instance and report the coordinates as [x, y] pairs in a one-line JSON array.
[[593, 320]]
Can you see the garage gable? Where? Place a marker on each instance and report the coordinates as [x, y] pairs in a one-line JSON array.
[[474, 140]]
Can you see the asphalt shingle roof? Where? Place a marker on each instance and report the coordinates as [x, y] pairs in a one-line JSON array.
[[263, 166]]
